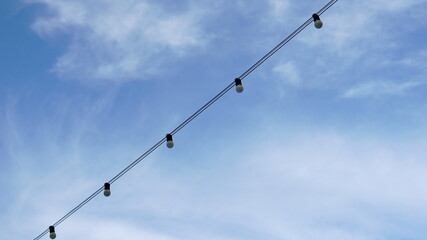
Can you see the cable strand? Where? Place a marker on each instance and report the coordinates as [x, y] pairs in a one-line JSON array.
[[326, 7], [193, 116]]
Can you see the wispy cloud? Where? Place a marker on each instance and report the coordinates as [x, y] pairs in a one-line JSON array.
[[324, 184], [248, 185], [279, 9], [288, 73], [358, 37], [360, 22], [118, 42], [379, 88], [417, 60]]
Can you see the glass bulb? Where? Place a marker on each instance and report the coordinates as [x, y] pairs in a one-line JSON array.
[[52, 235], [239, 88], [107, 192], [169, 144], [318, 24]]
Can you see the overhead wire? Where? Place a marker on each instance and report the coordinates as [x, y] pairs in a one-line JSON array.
[[326, 7], [193, 116]]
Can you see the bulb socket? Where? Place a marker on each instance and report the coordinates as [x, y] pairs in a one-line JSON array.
[[239, 86], [169, 140], [107, 186], [169, 137], [316, 17], [52, 234]]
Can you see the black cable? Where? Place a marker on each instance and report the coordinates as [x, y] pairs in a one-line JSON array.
[[326, 7], [78, 206], [41, 234], [276, 48], [72, 211], [193, 116], [203, 108], [138, 160]]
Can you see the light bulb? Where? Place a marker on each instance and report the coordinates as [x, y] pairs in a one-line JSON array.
[[169, 141], [52, 234], [239, 86], [317, 22], [107, 191]]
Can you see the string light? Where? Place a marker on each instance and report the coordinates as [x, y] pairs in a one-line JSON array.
[[107, 191], [52, 233], [168, 139], [239, 86], [317, 22]]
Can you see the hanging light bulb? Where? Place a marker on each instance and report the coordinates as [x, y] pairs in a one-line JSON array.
[[52, 234], [239, 86], [107, 191], [169, 141], [317, 22]]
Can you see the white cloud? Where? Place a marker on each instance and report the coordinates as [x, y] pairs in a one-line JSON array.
[[379, 88], [306, 187], [392, 6], [279, 9], [119, 41], [288, 74], [349, 24], [358, 40], [317, 186], [416, 60]]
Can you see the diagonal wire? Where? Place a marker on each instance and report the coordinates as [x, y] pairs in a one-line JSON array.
[[193, 116], [326, 7]]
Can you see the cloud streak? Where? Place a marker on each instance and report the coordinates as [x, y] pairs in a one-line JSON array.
[[118, 42], [323, 186], [361, 40], [378, 88], [255, 167]]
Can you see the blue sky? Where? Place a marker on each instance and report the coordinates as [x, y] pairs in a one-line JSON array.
[[328, 140]]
